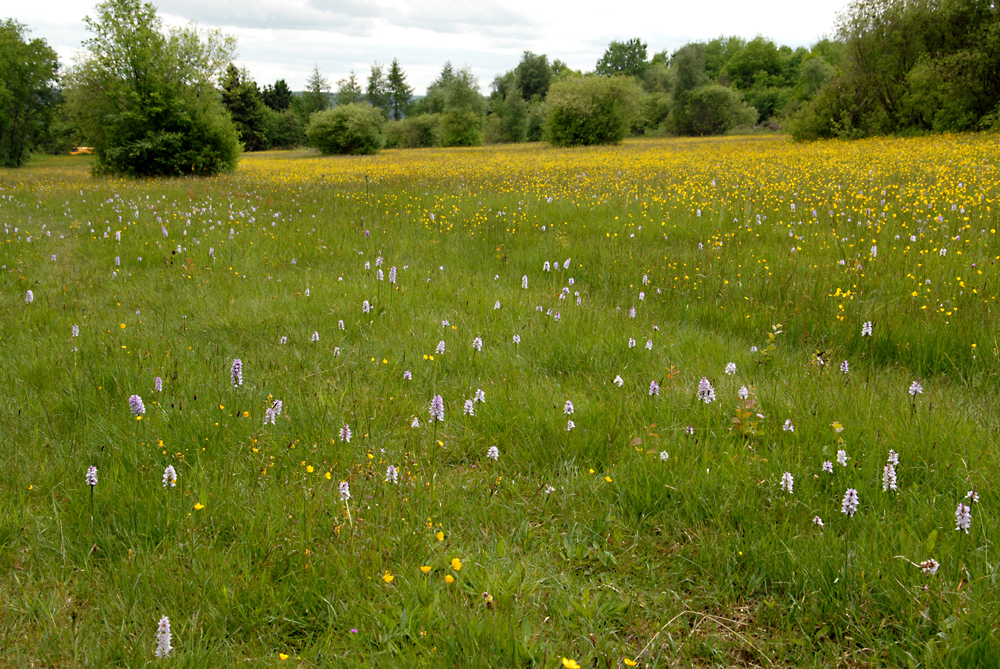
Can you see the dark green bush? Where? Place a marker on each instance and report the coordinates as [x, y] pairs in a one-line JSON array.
[[346, 129], [414, 132]]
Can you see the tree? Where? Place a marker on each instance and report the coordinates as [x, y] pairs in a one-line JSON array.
[[713, 109], [347, 129], [399, 92], [759, 57], [277, 97], [627, 58], [315, 98], [147, 98], [377, 92], [28, 96], [246, 106], [591, 110], [348, 91], [534, 76]]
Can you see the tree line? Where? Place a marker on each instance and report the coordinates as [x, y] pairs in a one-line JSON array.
[[153, 100]]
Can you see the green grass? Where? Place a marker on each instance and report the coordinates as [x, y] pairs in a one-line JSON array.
[[591, 546]]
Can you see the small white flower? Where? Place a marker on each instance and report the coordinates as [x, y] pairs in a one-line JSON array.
[[889, 477], [570, 425], [631, 342], [391, 474], [493, 453], [568, 407], [169, 477], [163, 646], [345, 433], [524, 281], [817, 521], [915, 388], [664, 455], [654, 388], [731, 368], [618, 381], [649, 344], [844, 367], [408, 375], [477, 344], [972, 496], [850, 504], [689, 429], [315, 335], [480, 396], [787, 482], [415, 423], [893, 457], [284, 340], [92, 476], [788, 427], [497, 305], [828, 466], [705, 391], [929, 567], [345, 491], [517, 339], [440, 347], [76, 330], [549, 490], [866, 329], [743, 392], [842, 458], [29, 297], [470, 408], [963, 517]]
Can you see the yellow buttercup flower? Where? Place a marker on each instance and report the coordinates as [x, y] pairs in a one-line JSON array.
[[440, 536], [449, 579], [426, 569], [570, 664], [456, 564], [387, 577]]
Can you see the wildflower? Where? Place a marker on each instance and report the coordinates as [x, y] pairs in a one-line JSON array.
[[549, 490], [929, 567], [787, 482], [524, 281], [425, 569], [631, 312], [392, 275], [439, 536], [842, 458], [866, 329], [456, 564], [75, 330], [163, 646], [972, 496], [284, 340], [844, 367], [391, 474], [568, 407], [480, 396], [706, 393], [649, 344], [379, 275], [92, 476], [449, 579], [307, 292], [415, 423], [837, 427], [469, 408], [916, 388], [444, 323], [817, 521], [169, 477], [236, 373], [477, 343], [618, 381], [850, 503], [387, 577], [828, 466], [136, 406], [788, 427], [340, 324], [570, 664], [493, 453], [408, 375], [437, 409], [963, 517], [566, 264], [689, 429], [743, 392], [731, 368], [889, 477], [366, 307], [315, 335], [440, 348], [158, 384], [893, 457], [269, 416], [664, 456], [631, 342], [546, 267], [654, 388], [336, 351], [497, 305], [517, 339], [345, 491], [29, 297], [345, 433], [570, 425]]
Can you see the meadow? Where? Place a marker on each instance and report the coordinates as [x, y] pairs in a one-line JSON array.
[[726, 402]]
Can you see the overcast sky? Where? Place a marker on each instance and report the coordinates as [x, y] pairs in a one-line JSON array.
[[285, 38]]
